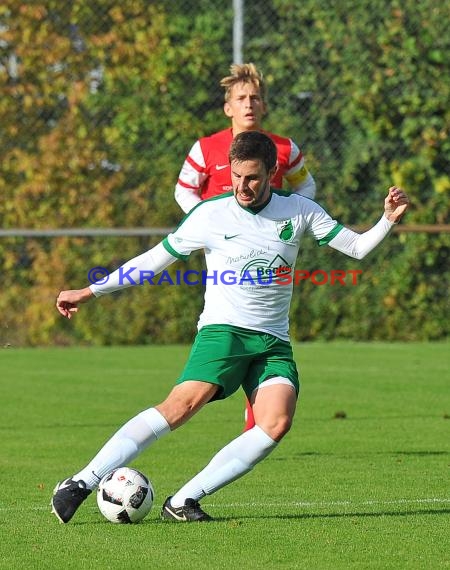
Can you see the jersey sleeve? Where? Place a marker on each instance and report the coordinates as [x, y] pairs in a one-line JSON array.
[[328, 231], [358, 245], [297, 175], [190, 234], [135, 271], [319, 223], [191, 179]]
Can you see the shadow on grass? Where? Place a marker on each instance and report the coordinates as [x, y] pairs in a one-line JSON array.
[[425, 453], [305, 516], [236, 520]]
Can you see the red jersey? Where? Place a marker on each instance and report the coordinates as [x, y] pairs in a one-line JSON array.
[[206, 170]]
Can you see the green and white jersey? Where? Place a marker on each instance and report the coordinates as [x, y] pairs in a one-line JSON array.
[[247, 254]]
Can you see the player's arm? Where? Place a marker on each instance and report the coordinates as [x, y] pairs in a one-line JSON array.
[[133, 272], [307, 187], [191, 179], [359, 245], [298, 176]]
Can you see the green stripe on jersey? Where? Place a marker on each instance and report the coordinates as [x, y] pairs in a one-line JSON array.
[[334, 232], [170, 249], [212, 199], [199, 204], [166, 243]]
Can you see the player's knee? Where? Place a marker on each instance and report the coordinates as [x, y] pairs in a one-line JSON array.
[[176, 410], [181, 404], [277, 427], [284, 424]]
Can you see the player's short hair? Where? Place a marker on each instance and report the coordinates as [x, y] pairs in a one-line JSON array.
[[244, 73], [253, 145]]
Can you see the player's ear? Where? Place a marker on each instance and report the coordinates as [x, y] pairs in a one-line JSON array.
[[227, 110]]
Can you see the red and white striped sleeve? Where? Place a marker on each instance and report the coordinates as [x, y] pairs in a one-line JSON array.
[[297, 175], [191, 179]]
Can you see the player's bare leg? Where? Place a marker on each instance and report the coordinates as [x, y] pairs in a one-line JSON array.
[[128, 442], [274, 407]]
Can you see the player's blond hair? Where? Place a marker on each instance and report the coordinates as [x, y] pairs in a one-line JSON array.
[[244, 73]]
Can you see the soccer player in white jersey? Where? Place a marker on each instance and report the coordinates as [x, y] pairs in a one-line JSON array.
[[251, 239], [206, 170]]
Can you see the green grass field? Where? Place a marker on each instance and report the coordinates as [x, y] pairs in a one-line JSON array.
[[370, 490]]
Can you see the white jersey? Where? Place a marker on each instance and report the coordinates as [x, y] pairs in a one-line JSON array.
[[249, 256], [247, 253]]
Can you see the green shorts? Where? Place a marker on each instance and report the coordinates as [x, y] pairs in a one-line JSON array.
[[231, 356]]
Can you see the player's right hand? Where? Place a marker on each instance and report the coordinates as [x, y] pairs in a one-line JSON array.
[[67, 301]]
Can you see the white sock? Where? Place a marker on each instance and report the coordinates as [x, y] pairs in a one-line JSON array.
[[231, 462], [126, 444]]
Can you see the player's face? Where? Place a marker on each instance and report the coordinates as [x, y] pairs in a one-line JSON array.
[[245, 107], [251, 183]]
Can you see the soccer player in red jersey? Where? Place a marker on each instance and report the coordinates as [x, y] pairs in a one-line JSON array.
[[206, 170]]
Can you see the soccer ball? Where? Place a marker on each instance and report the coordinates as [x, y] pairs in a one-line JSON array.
[[125, 496]]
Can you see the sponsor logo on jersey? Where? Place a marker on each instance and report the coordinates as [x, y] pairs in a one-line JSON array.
[[264, 271], [285, 231], [221, 166]]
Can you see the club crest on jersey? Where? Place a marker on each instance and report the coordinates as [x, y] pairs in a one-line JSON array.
[[285, 230]]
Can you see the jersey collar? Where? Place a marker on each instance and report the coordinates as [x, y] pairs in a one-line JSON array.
[[258, 209]]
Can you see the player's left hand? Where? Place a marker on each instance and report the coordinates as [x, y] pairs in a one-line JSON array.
[[395, 204]]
